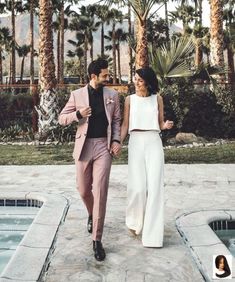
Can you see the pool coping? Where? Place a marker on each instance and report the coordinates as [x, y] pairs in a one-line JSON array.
[[202, 240], [31, 258]]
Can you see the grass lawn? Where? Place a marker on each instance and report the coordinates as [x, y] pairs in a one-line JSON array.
[[62, 154]]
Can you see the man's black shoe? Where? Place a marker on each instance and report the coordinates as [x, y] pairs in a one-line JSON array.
[[99, 251], [89, 224]]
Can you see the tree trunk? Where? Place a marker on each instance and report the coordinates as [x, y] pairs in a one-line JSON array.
[[114, 54], [13, 67], [10, 70], [85, 60], [46, 56], [58, 55], [166, 20], [130, 80], [61, 77], [1, 65], [142, 59], [198, 51], [102, 40], [119, 63], [91, 50], [22, 69], [231, 73], [31, 44], [216, 32], [200, 11], [48, 107]]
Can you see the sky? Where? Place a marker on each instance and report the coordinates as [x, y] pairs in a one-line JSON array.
[[161, 12], [171, 7]]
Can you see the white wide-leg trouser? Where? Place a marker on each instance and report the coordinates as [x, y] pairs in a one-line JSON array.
[[145, 190]]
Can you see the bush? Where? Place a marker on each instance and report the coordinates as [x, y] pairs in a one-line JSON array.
[[196, 109], [193, 108], [15, 109]]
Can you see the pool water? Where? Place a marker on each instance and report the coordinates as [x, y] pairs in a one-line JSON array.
[[227, 236], [14, 222]]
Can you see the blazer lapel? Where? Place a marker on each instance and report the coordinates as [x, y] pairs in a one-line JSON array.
[[106, 96], [85, 95]]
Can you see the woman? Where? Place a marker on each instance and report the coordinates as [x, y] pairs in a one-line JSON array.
[[143, 119], [222, 266]]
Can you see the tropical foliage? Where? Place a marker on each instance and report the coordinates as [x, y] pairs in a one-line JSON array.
[[173, 59], [195, 55]]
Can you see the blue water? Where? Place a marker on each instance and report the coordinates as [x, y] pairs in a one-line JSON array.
[[14, 222], [228, 238]]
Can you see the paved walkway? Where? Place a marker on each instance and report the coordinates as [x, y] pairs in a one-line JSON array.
[[188, 188]]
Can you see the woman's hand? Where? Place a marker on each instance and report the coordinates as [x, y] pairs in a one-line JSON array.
[[168, 124]]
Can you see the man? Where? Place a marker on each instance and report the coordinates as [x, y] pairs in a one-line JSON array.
[[96, 109]]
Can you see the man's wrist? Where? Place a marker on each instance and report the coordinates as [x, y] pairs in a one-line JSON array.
[[114, 140], [79, 116]]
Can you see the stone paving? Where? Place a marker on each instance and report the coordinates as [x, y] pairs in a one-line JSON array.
[[187, 188]]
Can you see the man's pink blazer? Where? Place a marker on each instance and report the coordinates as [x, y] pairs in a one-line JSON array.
[[79, 99]]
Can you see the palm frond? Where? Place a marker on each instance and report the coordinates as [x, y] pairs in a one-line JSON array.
[[141, 8], [171, 59]]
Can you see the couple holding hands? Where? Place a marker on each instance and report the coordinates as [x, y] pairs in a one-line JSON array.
[[100, 135]]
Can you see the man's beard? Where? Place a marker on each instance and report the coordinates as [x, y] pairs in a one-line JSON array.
[[103, 83]]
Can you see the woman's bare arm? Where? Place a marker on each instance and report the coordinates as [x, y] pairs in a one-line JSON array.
[[163, 125], [125, 123]]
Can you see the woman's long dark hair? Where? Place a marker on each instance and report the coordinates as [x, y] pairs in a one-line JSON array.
[[226, 266], [149, 76]]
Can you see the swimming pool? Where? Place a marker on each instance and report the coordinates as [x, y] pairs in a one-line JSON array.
[[225, 230], [201, 232], [25, 255], [14, 222]]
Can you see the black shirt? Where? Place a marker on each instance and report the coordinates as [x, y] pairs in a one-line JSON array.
[[98, 122]]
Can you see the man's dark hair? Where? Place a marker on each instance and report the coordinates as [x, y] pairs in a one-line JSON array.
[[96, 66]]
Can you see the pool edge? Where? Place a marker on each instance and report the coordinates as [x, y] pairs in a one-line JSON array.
[[31, 258]]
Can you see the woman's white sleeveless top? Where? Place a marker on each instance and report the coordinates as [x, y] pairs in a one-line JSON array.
[[143, 113]]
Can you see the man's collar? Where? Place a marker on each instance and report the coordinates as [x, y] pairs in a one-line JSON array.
[[93, 90]]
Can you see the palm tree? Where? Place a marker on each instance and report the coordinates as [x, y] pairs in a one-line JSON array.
[[120, 36], [30, 7], [13, 6], [85, 24], [131, 32], [61, 9], [184, 13], [79, 53], [117, 16], [48, 107], [141, 9], [105, 17], [216, 32], [229, 17], [23, 51], [5, 41]]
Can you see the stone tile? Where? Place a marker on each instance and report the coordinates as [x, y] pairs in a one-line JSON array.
[[204, 257], [25, 264], [200, 236], [201, 218], [187, 188], [37, 231]]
